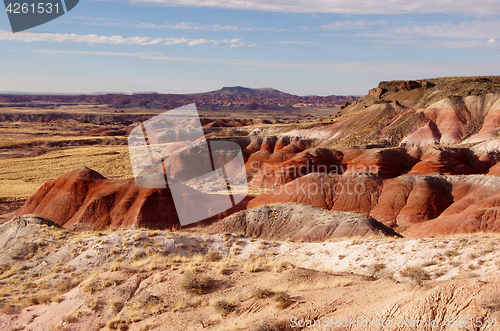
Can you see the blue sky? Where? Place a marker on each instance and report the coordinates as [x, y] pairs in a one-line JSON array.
[[302, 47]]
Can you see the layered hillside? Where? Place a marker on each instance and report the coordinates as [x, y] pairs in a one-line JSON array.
[[419, 156], [442, 111]]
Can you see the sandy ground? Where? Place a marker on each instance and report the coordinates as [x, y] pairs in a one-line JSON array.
[[53, 279]]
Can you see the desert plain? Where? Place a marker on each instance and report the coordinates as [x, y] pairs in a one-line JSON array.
[[377, 212]]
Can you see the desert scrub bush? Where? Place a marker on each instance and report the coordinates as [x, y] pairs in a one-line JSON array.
[[96, 284], [212, 256], [146, 327], [261, 293], [224, 307], [36, 299], [450, 253], [415, 273], [377, 268], [115, 306], [157, 278], [283, 299], [116, 323], [489, 300], [182, 304], [342, 282], [279, 266], [222, 268], [114, 266], [252, 265], [138, 255], [69, 318], [194, 283], [93, 304], [67, 284]]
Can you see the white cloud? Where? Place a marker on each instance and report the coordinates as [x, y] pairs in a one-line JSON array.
[[101, 21], [139, 55], [352, 25], [464, 30], [77, 38], [114, 40], [295, 42], [466, 7], [477, 33]]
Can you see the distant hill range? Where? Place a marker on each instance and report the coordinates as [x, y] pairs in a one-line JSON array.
[[236, 97]]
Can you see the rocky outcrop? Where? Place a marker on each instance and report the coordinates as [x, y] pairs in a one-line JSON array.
[[300, 222], [443, 111]]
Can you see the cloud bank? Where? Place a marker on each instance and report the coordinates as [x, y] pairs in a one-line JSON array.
[[114, 40], [465, 7]]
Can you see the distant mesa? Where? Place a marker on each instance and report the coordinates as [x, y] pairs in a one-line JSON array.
[[226, 98], [247, 90]]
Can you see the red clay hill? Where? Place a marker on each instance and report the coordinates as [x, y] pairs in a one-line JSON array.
[[83, 199], [422, 156]]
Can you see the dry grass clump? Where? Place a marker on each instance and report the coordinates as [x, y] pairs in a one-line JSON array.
[[116, 323], [194, 283], [222, 268], [183, 304], [212, 256], [284, 300], [69, 318], [115, 306], [415, 273], [223, 307], [451, 253], [252, 265], [261, 293], [279, 266], [377, 268], [93, 304], [157, 278]]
